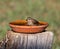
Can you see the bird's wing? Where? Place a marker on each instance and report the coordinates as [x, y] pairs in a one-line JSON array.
[[35, 21]]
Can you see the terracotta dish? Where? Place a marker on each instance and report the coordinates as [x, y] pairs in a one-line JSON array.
[[21, 27]]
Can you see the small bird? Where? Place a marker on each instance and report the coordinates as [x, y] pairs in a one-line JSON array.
[[32, 22]]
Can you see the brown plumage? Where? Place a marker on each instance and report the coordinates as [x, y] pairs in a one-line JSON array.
[[32, 22]]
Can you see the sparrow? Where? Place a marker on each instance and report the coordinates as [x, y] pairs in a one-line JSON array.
[[32, 22]]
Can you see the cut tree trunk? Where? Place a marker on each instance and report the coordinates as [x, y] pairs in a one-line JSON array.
[[28, 41]]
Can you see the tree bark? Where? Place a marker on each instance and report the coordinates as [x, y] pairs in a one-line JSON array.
[[29, 41], [15, 40]]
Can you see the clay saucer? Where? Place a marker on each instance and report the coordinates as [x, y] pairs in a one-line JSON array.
[[21, 27]]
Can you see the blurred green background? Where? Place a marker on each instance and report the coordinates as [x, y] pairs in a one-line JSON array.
[[42, 10]]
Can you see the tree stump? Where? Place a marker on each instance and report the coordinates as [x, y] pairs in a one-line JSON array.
[[28, 41]]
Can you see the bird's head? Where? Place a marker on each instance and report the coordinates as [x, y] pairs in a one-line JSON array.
[[29, 18]]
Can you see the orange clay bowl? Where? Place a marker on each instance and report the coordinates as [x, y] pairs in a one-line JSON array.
[[21, 27]]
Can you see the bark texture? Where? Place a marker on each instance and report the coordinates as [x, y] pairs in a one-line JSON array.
[[29, 41]]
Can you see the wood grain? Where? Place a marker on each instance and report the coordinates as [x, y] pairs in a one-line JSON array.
[[29, 41]]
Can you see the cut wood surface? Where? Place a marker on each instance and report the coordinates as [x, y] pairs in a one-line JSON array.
[[29, 41]]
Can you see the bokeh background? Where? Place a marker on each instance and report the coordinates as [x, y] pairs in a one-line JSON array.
[[42, 10]]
